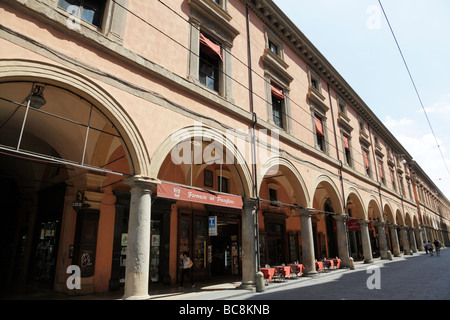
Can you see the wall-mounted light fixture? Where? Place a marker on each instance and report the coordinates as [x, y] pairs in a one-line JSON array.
[[37, 99]]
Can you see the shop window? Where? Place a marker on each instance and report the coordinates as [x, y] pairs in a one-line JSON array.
[[91, 11]]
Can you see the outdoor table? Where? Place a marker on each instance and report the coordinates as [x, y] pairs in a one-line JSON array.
[[284, 270], [297, 268], [268, 273], [337, 262], [330, 263], [319, 266]]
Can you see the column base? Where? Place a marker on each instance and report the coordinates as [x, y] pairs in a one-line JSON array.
[[145, 297], [310, 273], [248, 286]]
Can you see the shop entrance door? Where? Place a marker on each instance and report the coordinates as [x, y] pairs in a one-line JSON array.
[[225, 249]]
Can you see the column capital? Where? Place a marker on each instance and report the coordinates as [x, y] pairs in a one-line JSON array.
[[363, 222], [249, 202], [307, 212], [340, 217], [380, 224], [142, 181]]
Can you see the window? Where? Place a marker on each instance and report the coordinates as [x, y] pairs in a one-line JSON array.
[[320, 133], [394, 186], [342, 108], [90, 11], [273, 47], [210, 63], [273, 197], [211, 37], [277, 105], [315, 83], [366, 161], [381, 169], [347, 150], [223, 184]]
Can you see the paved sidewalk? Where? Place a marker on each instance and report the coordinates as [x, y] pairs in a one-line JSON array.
[[230, 290]]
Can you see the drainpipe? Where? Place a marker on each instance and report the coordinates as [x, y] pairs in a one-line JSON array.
[[253, 140], [344, 201]]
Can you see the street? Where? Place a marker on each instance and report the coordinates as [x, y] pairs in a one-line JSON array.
[[418, 277]]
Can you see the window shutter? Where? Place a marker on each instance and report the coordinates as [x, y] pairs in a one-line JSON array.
[[319, 126], [212, 46]]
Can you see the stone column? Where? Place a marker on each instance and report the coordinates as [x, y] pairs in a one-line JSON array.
[[395, 243], [412, 240], [367, 248], [382, 240], [307, 243], [424, 233], [342, 239], [419, 239], [138, 250], [249, 252], [404, 239]]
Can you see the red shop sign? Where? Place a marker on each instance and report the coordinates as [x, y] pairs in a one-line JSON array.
[[176, 192], [353, 225]]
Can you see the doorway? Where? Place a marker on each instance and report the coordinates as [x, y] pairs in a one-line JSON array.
[[225, 249]]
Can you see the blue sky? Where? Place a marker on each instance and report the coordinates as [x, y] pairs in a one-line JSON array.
[[355, 38]]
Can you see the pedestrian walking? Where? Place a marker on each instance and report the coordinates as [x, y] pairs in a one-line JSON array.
[[186, 268], [437, 246], [425, 246], [430, 248]]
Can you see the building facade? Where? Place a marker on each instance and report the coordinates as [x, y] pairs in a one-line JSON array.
[[131, 131]]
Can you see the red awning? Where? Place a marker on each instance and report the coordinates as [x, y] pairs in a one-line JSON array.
[[366, 159], [277, 91], [346, 143], [319, 127], [380, 166], [214, 47], [176, 192]]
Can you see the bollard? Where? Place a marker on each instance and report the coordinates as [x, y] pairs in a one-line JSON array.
[[260, 287]]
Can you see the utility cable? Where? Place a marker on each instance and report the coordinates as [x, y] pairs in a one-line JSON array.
[[414, 84]]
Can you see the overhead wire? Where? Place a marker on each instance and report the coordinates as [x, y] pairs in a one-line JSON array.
[[262, 98], [414, 85], [355, 152]]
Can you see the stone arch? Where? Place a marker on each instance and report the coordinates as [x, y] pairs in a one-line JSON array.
[[355, 206], [373, 209], [408, 219], [399, 220], [296, 184], [34, 71], [388, 212], [319, 197], [203, 133]]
